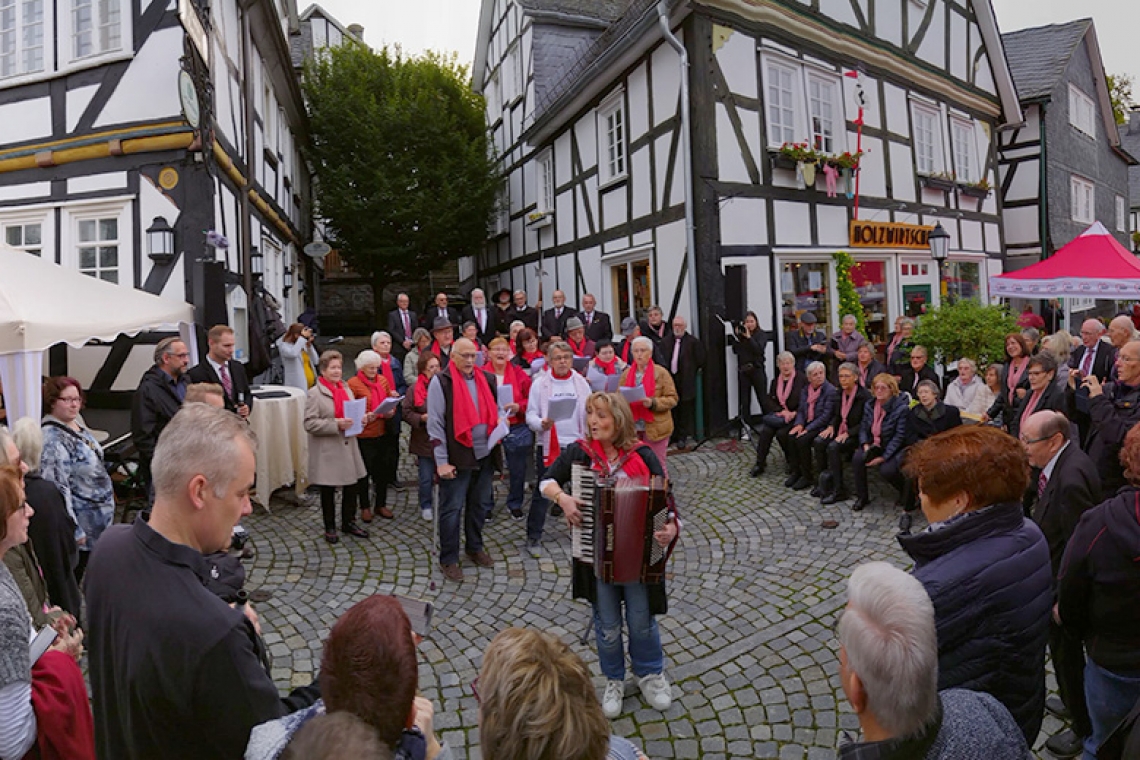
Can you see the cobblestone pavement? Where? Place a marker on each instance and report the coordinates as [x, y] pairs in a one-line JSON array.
[[756, 585]]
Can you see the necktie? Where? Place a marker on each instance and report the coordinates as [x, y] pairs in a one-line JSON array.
[[407, 326], [482, 322], [676, 355], [1041, 482], [558, 313], [1086, 363], [589, 318], [227, 383]]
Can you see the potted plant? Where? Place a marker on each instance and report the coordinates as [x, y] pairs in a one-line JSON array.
[[536, 219], [979, 189], [943, 181], [847, 163], [791, 155]]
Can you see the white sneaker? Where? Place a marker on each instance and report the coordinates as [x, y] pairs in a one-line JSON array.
[[535, 549], [426, 513], [656, 691], [612, 699]]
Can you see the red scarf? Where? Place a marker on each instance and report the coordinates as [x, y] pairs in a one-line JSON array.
[[632, 466], [463, 408], [514, 376], [845, 409], [386, 370], [63, 713], [1030, 406], [530, 356], [784, 390], [1013, 376], [421, 392], [435, 349], [554, 449], [812, 397], [649, 383], [377, 390], [877, 423], [339, 393], [579, 349], [607, 368], [625, 350]]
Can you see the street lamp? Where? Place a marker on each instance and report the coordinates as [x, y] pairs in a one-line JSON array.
[[160, 241], [939, 249], [256, 262], [288, 278]]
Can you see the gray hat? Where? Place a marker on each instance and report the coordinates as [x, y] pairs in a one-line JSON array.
[[574, 324], [808, 318], [628, 326], [441, 323]]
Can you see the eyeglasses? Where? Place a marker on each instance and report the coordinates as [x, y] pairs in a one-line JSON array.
[[181, 356], [70, 399], [465, 355], [475, 691], [1028, 441]]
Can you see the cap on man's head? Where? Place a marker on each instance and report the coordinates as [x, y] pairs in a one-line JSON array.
[[574, 324], [628, 326], [808, 318], [441, 323]]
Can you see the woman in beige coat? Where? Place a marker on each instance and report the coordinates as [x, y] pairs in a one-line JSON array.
[[334, 460], [653, 416]]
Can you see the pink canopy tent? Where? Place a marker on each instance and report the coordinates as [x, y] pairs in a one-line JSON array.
[[1092, 265]]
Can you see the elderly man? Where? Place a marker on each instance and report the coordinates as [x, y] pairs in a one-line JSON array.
[[816, 410], [654, 327], [597, 323], [158, 398], [581, 345], [1093, 357], [1120, 331], [917, 371], [482, 315], [443, 337], [888, 668], [1067, 487], [402, 322], [554, 319], [1114, 408], [221, 368], [845, 342], [440, 310], [175, 671], [684, 356], [528, 315], [629, 331], [462, 412], [805, 342]]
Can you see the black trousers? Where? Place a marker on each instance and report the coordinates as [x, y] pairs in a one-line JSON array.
[[685, 420], [347, 505], [799, 448], [1068, 655], [372, 452], [770, 427], [890, 470], [753, 381], [830, 455]]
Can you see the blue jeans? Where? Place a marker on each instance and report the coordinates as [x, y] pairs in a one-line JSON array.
[[465, 493], [1109, 696], [427, 479], [518, 446], [645, 654], [536, 518]]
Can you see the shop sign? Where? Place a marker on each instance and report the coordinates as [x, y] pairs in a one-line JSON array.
[[889, 235]]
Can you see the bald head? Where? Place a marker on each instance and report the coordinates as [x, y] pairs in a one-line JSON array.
[[1091, 330], [1044, 434], [1120, 331], [463, 355]]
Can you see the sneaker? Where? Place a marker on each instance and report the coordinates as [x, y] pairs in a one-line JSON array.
[[612, 699], [656, 691], [516, 514], [426, 513], [535, 549]]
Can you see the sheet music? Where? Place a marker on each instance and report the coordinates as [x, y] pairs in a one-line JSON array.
[[633, 393], [562, 408], [613, 382], [355, 411], [596, 379], [581, 363], [499, 432], [387, 405], [536, 366], [506, 395]]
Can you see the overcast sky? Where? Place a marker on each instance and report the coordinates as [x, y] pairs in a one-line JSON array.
[[451, 25]]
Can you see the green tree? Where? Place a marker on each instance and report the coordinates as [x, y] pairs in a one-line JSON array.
[[965, 328], [405, 178], [1120, 93], [849, 301]]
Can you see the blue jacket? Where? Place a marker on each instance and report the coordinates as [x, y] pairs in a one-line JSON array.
[[824, 407], [893, 434], [988, 574]]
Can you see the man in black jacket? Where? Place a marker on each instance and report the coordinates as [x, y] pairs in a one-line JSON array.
[[1068, 486], [157, 399], [916, 372], [221, 368], [440, 309], [402, 322], [481, 315], [805, 342], [597, 323], [175, 671], [684, 356], [521, 311], [1093, 357], [554, 318], [1113, 408]]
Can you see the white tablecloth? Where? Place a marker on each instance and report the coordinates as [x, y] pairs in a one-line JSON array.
[[283, 446]]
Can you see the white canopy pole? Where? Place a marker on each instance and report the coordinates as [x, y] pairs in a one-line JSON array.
[[22, 375]]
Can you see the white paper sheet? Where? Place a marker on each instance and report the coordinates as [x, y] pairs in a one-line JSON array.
[[613, 382], [633, 393], [536, 366], [355, 411], [561, 408], [498, 433], [506, 396], [581, 363], [388, 405], [597, 380]]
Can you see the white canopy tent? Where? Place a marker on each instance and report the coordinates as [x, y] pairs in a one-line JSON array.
[[42, 304]]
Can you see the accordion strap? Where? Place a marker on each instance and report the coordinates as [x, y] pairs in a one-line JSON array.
[[602, 465]]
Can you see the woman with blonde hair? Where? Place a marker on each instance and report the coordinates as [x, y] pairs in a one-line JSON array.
[[537, 702]]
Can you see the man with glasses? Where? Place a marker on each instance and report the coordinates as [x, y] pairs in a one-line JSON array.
[[1093, 357], [1067, 485], [158, 398], [1114, 408]]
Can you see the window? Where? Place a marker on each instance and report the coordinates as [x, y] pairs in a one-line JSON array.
[[1121, 216], [927, 141], [493, 95], [545, 179], [21, 37], [512, 67], [781, 104], [96, 27], [1082, 112], [98, 247], [519, 72], [1083, 200], [26, 237], [503, 210], [823, 103], [962, 142], [611, 116]]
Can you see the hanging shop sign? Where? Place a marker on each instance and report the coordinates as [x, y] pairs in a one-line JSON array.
[[889, 235]]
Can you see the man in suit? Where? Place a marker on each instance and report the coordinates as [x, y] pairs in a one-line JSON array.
[[479, 313], [528, 315], [401, 324], [1093, 357], [684, 356], [220, 368], [597, 323], [654, 327], [440, 309], [1068, 485], [554, 318], [917, 371]]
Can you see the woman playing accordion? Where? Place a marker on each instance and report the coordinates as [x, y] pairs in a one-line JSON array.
[[611, 450]]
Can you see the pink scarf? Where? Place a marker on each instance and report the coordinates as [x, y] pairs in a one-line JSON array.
[[784, 389], [845, 409], [863, 374], [813, 396], [1013, 375], [877, 424], [1030, 406]]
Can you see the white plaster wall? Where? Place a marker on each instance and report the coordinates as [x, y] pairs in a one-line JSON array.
[[737, 59], [567, 282], [637, 91], [902, 173], [888, 22], [959, 47], [750, 124], [743, 221], [25, 120], [993, 240], [84, 363], [793, 223], [642, 187], [840, 10], [563, 168], [24, 192], [76, 104], [984, 77], [872, 170], [590, 260], [871, 111], [645, 237], [95, 182], [666, 82], [730, 161], [898, 116], [1025, 182], [670, 257], [517, 235], [972, 236], [149, 88], [564, 214], [831, 222], [661, 158], [1020, 225], [586, 131], [615, 207]]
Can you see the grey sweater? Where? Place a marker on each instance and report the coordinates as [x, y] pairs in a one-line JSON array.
[[15, 625]]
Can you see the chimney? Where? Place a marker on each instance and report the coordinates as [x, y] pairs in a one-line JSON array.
[[357, 31]]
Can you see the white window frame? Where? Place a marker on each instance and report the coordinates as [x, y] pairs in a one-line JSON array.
[[121, 211], [838, 117], [544, 181], [780, 132], [1121, 214], [494, 98], [964, 149], [512, 61], [46, 40], [67, 32], [1083, 200], [22, 220], [613, 155], [1082, 112], [937, 159], [503, 210]]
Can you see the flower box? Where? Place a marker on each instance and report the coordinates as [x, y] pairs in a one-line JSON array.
[[781, 161], [945, 184], [974, 191], [538, 219]]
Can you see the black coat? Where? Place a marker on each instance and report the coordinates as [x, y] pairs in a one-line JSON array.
[[825, 407], [1071, 490], [771, 402], [1053, 399], [1113, 413], [600, 327], [487, 333], [909, 379], [431, 313], [154, 404], [855, 414], [799, 346], [53, 537], [922, 424], [1102, 363], [892, 437], [555, 326], [689, 362], [1002, 408], [987, 573], [658, 335], [204, 373], [750, 351], [396, 330], [528, 315]]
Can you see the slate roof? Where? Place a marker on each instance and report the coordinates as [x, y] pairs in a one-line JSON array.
[[607, 11], [1130, 141], [1037, 57]]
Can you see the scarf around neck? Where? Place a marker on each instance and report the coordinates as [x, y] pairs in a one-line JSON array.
[[649, 383], [466, 415], [845, 409], [386, 370], [877, 423], [420, 393], [784, 389], [339, 393], [812, 397], [377, 389], [634, 467], [607, 368]]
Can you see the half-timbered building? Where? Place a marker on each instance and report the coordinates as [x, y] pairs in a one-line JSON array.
[[123, 117], [646, 154], [1130, 140]]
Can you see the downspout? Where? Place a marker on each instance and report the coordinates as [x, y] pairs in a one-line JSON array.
[[246, 227], [1043, 189], [687, 163]]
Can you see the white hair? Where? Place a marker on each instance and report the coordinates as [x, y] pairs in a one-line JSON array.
[[378, 335], [972, 364], [518, 322], [366, 358], [814, 365], [888, 633], [29, 438], [785, 355], [641, 340], [199, 440]]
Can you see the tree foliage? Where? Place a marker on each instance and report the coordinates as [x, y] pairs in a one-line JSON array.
[[404, 175], [966, 328], [1120, 93], [849, 301]]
